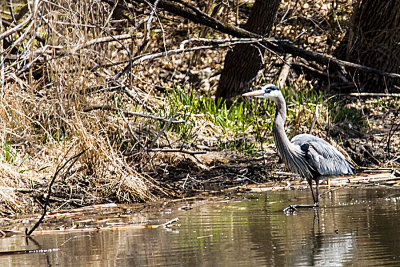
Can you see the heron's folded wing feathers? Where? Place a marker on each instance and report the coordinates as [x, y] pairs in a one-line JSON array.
[[322, 156]]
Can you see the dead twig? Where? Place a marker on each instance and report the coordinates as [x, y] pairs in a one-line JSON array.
[[374, 95], [27, 251], [46, 204], [214, 44], [131, 131], [231, 41], [131, 113], [21, 25], [286, 47], [163, 130], [148, 27], [142, 58], [105, 39], [164, 225], [192, 153]]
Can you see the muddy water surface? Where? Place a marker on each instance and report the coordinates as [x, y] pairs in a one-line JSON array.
[[354, 227]]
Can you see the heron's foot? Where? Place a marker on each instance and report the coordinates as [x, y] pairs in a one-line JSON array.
[[293, 208], [290, 209]]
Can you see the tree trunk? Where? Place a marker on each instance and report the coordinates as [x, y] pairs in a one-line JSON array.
[[373, 40], [243, 62]]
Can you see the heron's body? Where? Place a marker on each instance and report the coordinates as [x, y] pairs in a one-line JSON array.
[[305, 154]]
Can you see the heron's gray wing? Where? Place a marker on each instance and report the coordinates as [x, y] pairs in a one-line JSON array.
[[322, 156]]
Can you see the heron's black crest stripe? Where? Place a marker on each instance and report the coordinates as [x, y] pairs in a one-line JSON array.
[[269, 88]]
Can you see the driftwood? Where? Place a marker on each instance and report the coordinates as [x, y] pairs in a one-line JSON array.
[[367, 177], [294, 207]]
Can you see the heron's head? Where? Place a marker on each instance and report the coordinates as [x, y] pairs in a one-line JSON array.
[[270, 91]]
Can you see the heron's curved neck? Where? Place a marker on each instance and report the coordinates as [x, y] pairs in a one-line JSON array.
[[280, 118], [289, 152], [281, 139]]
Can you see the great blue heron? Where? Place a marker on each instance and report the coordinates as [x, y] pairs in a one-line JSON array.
[[305, 154]]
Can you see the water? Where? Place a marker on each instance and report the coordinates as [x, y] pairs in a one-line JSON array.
[[354, 227]]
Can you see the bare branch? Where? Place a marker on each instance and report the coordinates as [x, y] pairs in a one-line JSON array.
[[21, 25], [142, 58], [148, 27], [326, 60], [104, 40], [46, 204], [192, 153], [130, 129], [163, 130], [215, 44], [375, 94], [131, 113]]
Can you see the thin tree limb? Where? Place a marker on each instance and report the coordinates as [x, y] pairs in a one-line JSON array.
[[46, 204], [215, 44], [148, 27], [192, 153], [142, 58], [130, 130], [131, 113], [21, 25], [375, 94], [105, 39], [320, 58], [163, 130]]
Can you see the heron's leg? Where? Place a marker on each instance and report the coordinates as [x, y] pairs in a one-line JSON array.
[[316, 191], [293, 208], [312, 191]]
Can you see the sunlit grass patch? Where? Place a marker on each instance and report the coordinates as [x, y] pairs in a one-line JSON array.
[[342, 113], [11, 155], [232, 126], [244, 125]]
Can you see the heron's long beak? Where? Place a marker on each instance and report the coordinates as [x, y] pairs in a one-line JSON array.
[[257, 93]]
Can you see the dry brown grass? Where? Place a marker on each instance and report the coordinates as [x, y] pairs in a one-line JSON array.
[[41, 110]]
